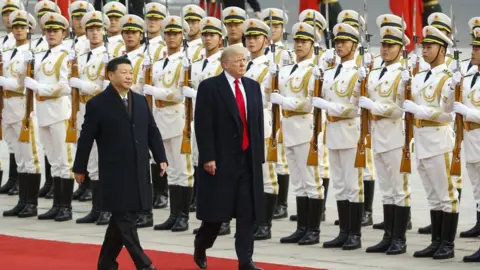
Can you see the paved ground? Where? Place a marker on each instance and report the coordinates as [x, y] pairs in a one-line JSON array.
[[271, 250]]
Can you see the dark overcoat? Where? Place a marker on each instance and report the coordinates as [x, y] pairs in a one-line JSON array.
[[124, 138], [219, 131]]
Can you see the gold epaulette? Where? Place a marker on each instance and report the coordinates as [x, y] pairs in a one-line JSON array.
[[448, 72], [198, 60], [311, 65]]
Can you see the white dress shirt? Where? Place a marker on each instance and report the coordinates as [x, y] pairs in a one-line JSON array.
[[231, 81]]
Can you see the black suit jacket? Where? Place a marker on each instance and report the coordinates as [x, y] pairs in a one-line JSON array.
[[123, 143], [219, 131]]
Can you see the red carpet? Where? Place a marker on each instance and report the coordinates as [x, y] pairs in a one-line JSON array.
[[18, 253]]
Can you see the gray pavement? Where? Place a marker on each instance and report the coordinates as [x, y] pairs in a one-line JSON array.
[[266, 251]]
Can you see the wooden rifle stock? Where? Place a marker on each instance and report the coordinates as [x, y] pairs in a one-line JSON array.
[[72, 122], [272, 150], [25, 130], [312, 159], [148, 80], [187, 129], [1, 97], [456, 166], [360, 157], [406, 163]]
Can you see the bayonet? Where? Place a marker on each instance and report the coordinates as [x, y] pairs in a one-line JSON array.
[[224, 40], [285, 33], [272, 43], [367, 35], [316, 45], [327, 29], [127, 6]]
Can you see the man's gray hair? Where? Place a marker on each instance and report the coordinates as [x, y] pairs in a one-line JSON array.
[[229, 51]]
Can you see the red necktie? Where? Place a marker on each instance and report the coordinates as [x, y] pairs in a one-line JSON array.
[[243, 115]]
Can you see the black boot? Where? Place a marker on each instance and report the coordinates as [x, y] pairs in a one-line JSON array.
[[11, 186], [379, 226], [459, 194], [312, 236], [33, 185], [326, 183], [263, 231], [436, 221], [193, 203], [475, 257], [343, 218], [65, 212], [181, 224], [355, 227], [81, 189], [22, 197], [57, 194], [449, 229], [425, 230], [369, 192], [47, 186], [159, 185], [94, 213], [473, 232], [174, 205], [388, 217], [302, 222], [87, 194], [281, 209], [293, 218], [400, 223]]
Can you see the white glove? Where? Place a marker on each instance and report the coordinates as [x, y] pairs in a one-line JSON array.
[[148, 89], [320, 103], [456, 78], [286, 57], [71, 55], [146, 62], [273, 68], [460, 108], [105, 84], [31, 84], [405, 76], [27, 56], [453, 64], [276, 98], [317, 72], [330, 56], [366, 103], [76, 83], [362, 73], [2, 81], [414, 58], [410, 106], [185, 63], [105, 58], [367, 59], [189, 92]]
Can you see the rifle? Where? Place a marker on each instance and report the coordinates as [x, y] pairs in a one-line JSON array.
[[272, 151], [25, 130], [148, 69], [360, 158], [456, 166], [416, 68], [225, 38], [312, 159], [406, 163], [187, 129], [328, 33], [285, 34], [105, 42], [71, 136], [367, 40], [1, 95]]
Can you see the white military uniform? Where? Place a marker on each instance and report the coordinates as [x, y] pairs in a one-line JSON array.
[[8, 42], [115, 43], [53, 109], [195, 49], [116, 46], [387, 134], [169, 115], [136, 57], [40, 44], [157, 48]]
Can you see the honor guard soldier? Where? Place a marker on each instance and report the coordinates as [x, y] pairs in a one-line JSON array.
[[431, 107], [342, 134], [257, 33], [233, 18], [283, 57], [155, 14], [115, 11], [384, 102], [467, 67], [91, 67], [169, 114], [52, 90], [193, 14], [7, 7], [8, 42], [132, 33], [296, 85], [308, 16], [212, 31], [14, 72], [470, 109], [430, 7]]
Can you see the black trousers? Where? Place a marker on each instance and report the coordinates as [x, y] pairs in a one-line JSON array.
[[208, 231], [121, 231], [135, 6]]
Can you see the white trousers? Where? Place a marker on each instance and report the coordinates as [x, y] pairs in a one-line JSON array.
[[180, 167], [270, 183], [305, 179], [92, 166], [194, 147], [281, 167], [59, 153], [473, 170], [347, 180], [369, 170], [395, 186], [442, 194], [26, 153]]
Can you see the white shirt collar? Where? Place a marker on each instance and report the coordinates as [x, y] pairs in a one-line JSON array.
[[231, 79]]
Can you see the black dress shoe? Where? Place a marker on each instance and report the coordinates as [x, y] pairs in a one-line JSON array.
[[249, 266], [224, 229], [145, 220], [104, 218], [86, 196], [475, 257], [195, 231], [200, 258]]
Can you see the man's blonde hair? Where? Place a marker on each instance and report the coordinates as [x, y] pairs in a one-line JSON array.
[[229, 51]]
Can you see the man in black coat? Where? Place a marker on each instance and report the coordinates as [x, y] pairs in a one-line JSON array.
[[229, 132], [123, 127]]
